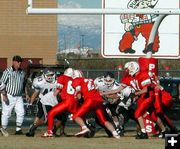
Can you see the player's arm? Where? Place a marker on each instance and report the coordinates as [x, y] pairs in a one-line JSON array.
[[78, 96], [26, 93], [59, 87], [36, 88], [112, 91], [77, 93], [143, 91], [33, 97], [146, 84]]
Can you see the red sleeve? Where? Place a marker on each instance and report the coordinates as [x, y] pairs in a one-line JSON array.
[[146, 80], [60, 82]]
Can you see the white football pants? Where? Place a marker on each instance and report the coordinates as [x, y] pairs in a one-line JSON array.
[[15, 102]]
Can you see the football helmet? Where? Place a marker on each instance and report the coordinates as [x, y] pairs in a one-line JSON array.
[[126, 65], [133, 67], [77, 74], [109, 79], [69, 72], [49, 75]]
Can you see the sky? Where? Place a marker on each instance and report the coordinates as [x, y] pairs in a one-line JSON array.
[[82, 20], [88, 25]]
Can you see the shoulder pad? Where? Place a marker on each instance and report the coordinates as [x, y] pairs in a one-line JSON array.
[[38, 81]]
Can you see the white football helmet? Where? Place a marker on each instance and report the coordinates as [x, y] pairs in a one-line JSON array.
[[133, 67], [126, 65], [49, 75], [77, 74], [109, 79], [69, 72]]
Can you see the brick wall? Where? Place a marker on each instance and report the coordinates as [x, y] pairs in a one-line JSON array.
[[31, 36]]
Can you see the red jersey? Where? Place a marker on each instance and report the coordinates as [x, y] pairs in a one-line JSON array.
[[140, 81], [86, 87], [126, 80], [65, 84]]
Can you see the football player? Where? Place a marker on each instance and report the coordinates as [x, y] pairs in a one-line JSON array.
[[163, 100], [121, 97], [92, 102], [107, 83], [69, 103], [44, 87], [143, 85]]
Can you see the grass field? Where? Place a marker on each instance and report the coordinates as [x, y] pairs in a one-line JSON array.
[[99, 141]]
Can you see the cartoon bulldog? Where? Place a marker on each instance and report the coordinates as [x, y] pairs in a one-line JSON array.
[[134, 24]]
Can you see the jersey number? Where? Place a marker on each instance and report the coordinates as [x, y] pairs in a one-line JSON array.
[[90, 84], [70, 89]]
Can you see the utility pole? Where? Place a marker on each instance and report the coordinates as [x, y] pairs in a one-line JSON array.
[[82, 41], [64, 42]]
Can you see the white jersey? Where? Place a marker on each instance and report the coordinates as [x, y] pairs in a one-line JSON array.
[[103, 87], [124, 99], [45, 90]]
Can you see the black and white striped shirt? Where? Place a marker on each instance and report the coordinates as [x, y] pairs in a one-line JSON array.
[[14, 81]]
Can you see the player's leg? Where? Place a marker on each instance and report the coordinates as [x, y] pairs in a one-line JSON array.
[[59, 108], [143, 105], [60, 124], [64, 118], [103, 121], [37, 121], [81, 112]]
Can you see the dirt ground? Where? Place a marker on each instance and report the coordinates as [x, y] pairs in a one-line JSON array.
[[100, 141]]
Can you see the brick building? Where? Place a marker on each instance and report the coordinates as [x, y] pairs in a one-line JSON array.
[[31, 36]]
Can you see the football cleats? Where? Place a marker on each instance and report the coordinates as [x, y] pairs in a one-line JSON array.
[[109, 79], [77, 74], [49, 75], [133, 67], [69, 72]]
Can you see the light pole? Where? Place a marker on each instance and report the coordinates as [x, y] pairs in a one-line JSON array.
[[82, 41]]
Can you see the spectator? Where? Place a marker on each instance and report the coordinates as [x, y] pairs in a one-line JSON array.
[[14, 80]]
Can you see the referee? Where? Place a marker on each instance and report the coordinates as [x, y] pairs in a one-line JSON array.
[[14, 80]]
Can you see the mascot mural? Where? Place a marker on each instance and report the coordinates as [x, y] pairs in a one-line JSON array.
[[136, 24]]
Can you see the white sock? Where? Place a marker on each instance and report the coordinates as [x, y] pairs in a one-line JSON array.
[[18, 128], [84, 127], [143, 130], [115, 133]]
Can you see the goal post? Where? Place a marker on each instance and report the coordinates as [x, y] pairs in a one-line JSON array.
[[98, 11]]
